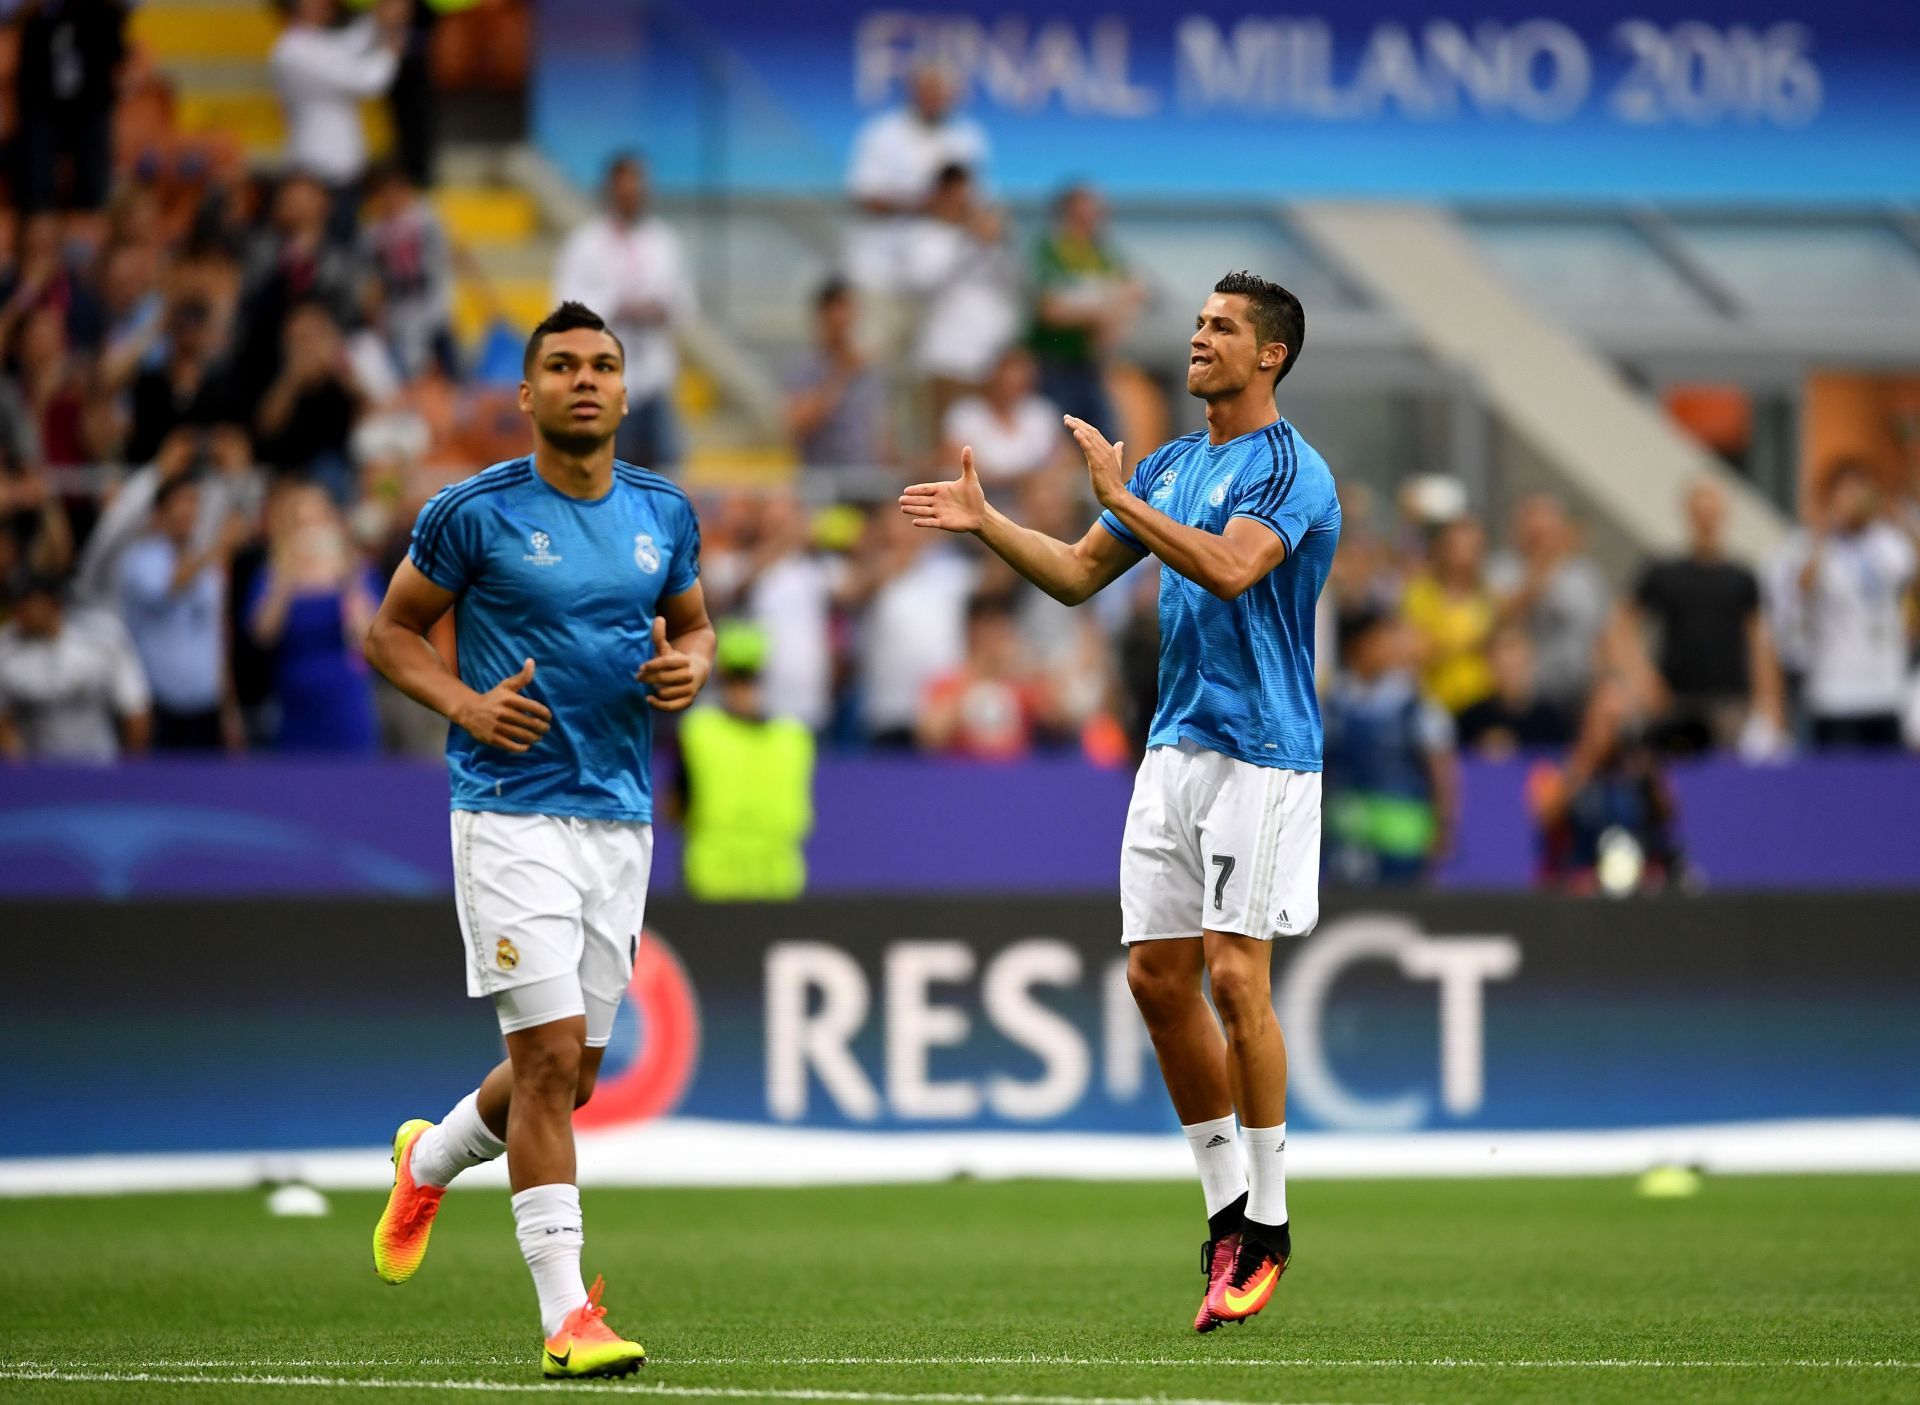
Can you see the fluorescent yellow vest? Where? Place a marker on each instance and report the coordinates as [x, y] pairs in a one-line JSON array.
[[750, 806]]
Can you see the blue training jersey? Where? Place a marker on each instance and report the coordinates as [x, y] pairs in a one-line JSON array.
[[573, 585], [1236, 676]]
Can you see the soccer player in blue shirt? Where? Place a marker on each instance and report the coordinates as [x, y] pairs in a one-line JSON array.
[[1222, 847], [573, 579]]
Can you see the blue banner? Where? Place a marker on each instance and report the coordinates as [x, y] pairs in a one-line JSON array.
[[221, 1027], [1724, 99]]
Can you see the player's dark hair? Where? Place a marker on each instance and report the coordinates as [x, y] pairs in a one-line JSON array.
[[1277, 314], [568, 317], [831, 292]]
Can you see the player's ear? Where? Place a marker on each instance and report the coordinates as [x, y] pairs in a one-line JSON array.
[[526, 397]]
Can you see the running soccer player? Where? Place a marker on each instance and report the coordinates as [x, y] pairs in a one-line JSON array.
[[1222, 847], [574, 583]]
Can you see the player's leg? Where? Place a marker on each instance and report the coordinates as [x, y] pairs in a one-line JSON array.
[[1160, 890], [1261, 836], [612, 861], [518, 902], [1238, 968], [474, 1131]]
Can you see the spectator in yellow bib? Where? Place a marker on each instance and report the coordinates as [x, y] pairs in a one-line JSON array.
[[746, 783], [1452, 614]]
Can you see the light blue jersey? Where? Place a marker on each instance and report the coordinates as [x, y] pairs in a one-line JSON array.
[[1236, 676], [573, 585]]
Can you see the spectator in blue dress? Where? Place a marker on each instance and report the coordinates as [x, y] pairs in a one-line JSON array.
[[311, 606]]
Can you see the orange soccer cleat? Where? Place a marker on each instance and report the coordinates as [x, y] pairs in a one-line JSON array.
[[1216, 1263], [400, 1239], [1245, 1288], [586, 1346]]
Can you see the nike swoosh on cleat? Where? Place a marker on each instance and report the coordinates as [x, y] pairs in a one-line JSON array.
[[1240, 1302], [561, 1361]]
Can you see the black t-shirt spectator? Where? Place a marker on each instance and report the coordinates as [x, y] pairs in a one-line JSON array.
[[1494, 722], [1703, 609], [159, 408], [321, 425]]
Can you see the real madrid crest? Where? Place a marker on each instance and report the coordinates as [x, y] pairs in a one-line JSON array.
[[506, 954], [645, 554]]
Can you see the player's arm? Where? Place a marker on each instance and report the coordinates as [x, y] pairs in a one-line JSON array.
[[683, 643], [1224, 564], [399, 647], [1070, 572]]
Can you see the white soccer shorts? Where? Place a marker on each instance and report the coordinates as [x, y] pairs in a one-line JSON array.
[[1217, 844], [550, 908]]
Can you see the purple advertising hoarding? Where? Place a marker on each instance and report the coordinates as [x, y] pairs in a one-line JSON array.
[[886, 825]]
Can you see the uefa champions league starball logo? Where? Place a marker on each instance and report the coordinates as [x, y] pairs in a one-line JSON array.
[[541, 555], [645, 554]]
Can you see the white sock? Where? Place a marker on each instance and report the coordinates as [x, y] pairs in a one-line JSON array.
[[547, 1222], [1216, 1152], [1266, 1174], [457, 1141]]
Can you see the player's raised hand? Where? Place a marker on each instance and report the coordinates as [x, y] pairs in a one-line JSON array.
[[675, 677], [957, 505], [503, 717], [1106, 463]]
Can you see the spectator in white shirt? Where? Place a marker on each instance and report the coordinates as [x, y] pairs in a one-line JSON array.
[[322, 70], [897, 156], [1851, 571], [627, 265], [788, 593], [968, 285], [913, 627], [1014, 431], [71, 689]]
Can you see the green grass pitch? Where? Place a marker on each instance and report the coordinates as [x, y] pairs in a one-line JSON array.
[[1555, 1291]]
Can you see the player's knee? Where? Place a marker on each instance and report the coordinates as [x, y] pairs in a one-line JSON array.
[[583, 1086], [1241, 997], [547, 1068], [1159, 994]]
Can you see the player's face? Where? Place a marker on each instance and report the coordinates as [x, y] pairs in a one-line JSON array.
[[1225, 353], [577, 393]]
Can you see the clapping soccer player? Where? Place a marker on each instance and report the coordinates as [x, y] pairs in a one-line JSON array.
[[574, 583], [1222, 846]]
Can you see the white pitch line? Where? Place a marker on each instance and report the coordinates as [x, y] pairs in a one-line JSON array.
[[878, 1397], [1390, 1363]]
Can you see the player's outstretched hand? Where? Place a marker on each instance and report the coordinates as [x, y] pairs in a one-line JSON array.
[[957, 505], [675, 677], [1106, 463], [503, 717]]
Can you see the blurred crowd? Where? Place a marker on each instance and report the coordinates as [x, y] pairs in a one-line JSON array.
[[224, 396]]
